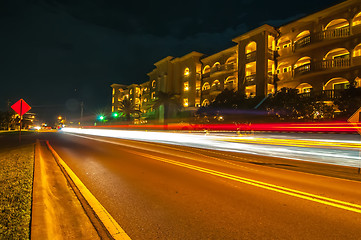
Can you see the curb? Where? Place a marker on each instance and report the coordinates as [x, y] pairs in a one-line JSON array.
[[104, 223]]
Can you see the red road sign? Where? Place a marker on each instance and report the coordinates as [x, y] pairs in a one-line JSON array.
[[21, 107]]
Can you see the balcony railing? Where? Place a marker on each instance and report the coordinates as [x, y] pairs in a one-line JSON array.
[[218, 68], [302, 42], [324, 94], [215, 69], [251, 57], [302, 69], [206, 74], [271, 54], [332, 63], [333, 33], [250, 80]]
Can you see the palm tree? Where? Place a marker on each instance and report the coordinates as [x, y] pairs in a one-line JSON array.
[[127, 108], [166, 100]]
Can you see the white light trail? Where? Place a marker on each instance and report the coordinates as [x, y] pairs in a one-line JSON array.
[[343, 157]]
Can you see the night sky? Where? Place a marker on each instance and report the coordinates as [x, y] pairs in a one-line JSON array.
[[57, 53]]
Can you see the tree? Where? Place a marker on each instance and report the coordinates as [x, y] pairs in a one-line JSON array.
[[285, 104], [349, 100], [128, 108], [7, 120], [166, 100]]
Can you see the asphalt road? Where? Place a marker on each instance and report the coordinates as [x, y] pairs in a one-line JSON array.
[[158, 191]]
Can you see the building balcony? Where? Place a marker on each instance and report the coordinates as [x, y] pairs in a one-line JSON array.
[[271, 54], [333, 33], [206, 92], [303, 42], [302, 69], [251, 57], [207, 74], [250, 80], [320, 36], [270, 78], [324, 94], [332, 64], [220, 68]]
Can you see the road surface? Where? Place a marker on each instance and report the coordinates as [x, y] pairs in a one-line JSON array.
[[159, 191]]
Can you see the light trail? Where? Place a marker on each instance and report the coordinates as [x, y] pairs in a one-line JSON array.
[[332, 152]]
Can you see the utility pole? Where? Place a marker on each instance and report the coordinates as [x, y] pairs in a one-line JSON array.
[[81, 112]]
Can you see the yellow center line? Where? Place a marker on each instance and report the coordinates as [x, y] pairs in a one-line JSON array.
[[295, 143], [288, 191]]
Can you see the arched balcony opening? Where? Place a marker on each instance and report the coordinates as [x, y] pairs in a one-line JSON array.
[[206, 86], [357, 19], [356, 55], [337, 53], [216, 86], [186, 72], [216, 67], [335, 58], [250, 77], [250, 91], [230, 83], [335, 86], [303, 65], [338, 83], [302, 39], [284, 46], [251, 47], [206, 69], [337, 23], [231, 63], [357, 51], [284, 71], [231, 60], [337, 28], [304, 89], [205, 103], [153, 84], [251, 51]]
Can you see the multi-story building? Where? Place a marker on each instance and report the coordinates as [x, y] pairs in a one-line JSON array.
[[319, 53]]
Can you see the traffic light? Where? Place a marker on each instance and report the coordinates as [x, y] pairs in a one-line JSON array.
[[115, 114], [101, 117]]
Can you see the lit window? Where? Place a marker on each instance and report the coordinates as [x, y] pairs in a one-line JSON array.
[[357, 52], [145, 100], [153, 95], [186, 86], [185, 102], [131, 91], [153, 84], [186, 72]]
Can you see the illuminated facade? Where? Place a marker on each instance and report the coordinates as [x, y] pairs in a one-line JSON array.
[[319, 53]]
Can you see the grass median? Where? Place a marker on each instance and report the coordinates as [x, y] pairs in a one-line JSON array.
[[16, 183]]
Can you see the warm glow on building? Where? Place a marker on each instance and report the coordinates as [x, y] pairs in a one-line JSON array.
[[185, 102], [186, 86], [186, 72]]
